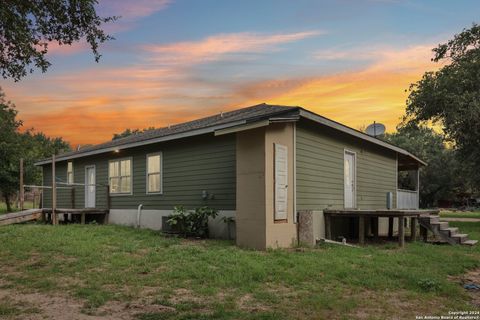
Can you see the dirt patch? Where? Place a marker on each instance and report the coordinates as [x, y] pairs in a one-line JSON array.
[[41, 306], [248, 303], [470, 278], [392, 305], [183, 295]]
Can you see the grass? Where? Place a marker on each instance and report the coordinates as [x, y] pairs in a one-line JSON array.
[[460, 214], [3, 206], [186, 279]]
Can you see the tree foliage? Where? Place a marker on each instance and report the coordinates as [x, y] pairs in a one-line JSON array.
[[14, 145], [441, 179], [28, 27], [450, 97]]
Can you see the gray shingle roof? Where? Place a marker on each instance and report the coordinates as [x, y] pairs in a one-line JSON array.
[[248, 114], [223, 120]]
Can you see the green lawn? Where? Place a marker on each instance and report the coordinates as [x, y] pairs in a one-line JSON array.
[[460, 214], [143, 274]]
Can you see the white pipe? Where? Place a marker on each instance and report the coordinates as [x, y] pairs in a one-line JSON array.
[[139, 214]]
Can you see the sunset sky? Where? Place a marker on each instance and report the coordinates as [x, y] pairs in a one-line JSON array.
[[178, 60]]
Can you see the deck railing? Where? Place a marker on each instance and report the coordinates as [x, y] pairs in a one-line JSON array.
[[407, 199]]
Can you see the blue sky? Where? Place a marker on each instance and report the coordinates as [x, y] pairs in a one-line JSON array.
[[177, 60]]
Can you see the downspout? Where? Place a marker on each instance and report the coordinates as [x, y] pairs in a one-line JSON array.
[[139, 214]]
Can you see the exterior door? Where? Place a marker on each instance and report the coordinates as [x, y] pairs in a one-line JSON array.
[[90, 187], [281, 182], [350, 179]]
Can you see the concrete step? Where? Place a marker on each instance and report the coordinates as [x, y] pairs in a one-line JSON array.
[[460, 237], [470, 242]]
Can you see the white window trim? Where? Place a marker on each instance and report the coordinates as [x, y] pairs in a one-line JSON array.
[[345, 151], [147, 173], [73, 173], [120, 194]]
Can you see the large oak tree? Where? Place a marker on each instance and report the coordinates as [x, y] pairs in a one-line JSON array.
[[450, 98]]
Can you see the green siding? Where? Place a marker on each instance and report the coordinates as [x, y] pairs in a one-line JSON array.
[[319, 157], [189, 166]]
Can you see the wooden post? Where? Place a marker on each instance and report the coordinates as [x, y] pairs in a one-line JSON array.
[[361, 229], [22, 191], [424, 233], [54, 192], [413, 228], [401, 231], [390, 227], [328, 226], [82, 218], [375, 227]]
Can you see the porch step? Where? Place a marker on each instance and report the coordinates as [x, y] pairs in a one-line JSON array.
[[470, 242], [443, 232], [460, 237], [449, 231]]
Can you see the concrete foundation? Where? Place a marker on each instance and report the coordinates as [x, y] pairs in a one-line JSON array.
[[152, 219]]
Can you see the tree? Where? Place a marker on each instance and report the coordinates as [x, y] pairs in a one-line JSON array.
[[8, 149], [130, 132], [28, 27], [14, 145], [429, 146], [450, 98]]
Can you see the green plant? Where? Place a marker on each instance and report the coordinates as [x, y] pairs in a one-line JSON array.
[[192, 223], [428, 285]]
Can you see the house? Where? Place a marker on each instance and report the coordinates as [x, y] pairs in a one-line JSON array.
[[260, 164]]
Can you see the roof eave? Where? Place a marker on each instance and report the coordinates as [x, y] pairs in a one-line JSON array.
[[338, 126], [145, 142]]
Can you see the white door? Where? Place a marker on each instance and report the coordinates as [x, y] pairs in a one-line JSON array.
[[90, 187], [281, 182], [349, 178]]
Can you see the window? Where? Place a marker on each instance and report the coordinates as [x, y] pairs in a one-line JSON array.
[[120, 176], [154, 173], [70, 172]]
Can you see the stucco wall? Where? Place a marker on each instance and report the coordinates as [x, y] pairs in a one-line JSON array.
[[250, 217], [256, 226], [279, 234]]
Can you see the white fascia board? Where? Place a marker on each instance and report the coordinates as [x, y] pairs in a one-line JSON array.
[[145, 142], [335, 125]]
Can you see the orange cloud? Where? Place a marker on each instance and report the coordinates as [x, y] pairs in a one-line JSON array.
[[213, 48], [356, 98], [89, 106]]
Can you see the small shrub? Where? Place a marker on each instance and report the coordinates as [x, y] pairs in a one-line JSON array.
[[192, 223], [428, 285]]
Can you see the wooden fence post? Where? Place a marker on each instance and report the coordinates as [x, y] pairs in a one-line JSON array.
[[22, 191], [54, 192]]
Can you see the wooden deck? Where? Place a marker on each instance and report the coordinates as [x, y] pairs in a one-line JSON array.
[[372, 217], [39, 214], [82, 212]]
